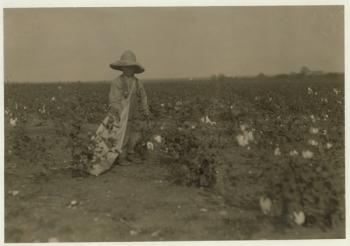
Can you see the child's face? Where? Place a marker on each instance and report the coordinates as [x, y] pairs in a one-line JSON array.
[[129, 71]]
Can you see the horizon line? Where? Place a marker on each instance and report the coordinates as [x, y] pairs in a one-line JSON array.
[[175, 78]]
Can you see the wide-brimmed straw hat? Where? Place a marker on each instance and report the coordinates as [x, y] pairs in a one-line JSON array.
[[127, 59]]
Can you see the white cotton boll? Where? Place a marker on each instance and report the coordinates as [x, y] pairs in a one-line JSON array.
[[336, 91], [313, 119], [53, 99], [162, 105], [150, 146], [307, 154], [242, 140], [325, 100], [73, 202], [313, 130], [299, 217], [202, 119], [312, 142], [15, 192], [208, 121], [309, 90], [158, 139], [265, 204], [193, 127], [277, 152], [13, 122], [293, 153], [329, 145]]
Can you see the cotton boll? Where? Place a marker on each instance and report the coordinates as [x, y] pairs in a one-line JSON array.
[[299, 217], [158, 139], [277, 152], [293, 153], [313, 119], [13, 121], [312, 142], [265, 204], [307, 154], [150, 146], [313, 130], [329, 145], [208, 121], [242, 140], [178, 103], [309, 91]]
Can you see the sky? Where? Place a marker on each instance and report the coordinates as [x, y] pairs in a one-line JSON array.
[[77, 44]]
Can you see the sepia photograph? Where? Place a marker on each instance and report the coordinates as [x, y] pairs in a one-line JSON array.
[[174, 123]]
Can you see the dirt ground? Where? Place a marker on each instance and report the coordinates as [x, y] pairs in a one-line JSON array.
[[128, 203]]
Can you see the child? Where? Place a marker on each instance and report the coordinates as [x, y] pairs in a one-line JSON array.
[[122, 87], [119, 132]]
